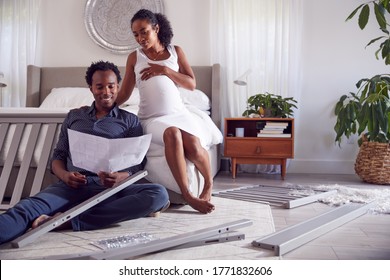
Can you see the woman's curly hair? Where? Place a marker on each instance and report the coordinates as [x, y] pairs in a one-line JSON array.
[[165, 33]]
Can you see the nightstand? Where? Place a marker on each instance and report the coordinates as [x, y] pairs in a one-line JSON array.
[[256, 146]]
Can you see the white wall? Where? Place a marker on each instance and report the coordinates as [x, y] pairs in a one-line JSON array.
[[64, 40], [334, 59]]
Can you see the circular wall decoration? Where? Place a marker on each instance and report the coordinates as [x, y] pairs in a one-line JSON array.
[[108, 22]]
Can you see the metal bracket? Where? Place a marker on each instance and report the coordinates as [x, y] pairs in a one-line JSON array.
[[205, 236], [294, 236], [73, 212], [166, 243], [273, 195], [222, 238]]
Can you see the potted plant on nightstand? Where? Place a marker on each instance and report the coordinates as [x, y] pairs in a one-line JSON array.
[[367, 112], [270, 105]]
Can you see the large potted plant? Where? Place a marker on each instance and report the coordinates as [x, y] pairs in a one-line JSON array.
[[270, 105], [367, 112]]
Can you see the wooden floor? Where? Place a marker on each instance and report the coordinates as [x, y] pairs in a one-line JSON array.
[[365, 238]]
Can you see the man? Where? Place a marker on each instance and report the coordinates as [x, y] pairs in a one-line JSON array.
[[103, 118]]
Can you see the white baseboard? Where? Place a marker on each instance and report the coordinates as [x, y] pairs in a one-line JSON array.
[[321, 166], [309, 166]]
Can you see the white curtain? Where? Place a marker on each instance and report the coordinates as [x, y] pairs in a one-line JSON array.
[[261, 35], [18, 37]]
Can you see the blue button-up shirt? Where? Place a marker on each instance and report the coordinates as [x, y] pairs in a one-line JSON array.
[[117, 124]]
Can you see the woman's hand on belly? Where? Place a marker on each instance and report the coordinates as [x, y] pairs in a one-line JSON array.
[[152, 71]]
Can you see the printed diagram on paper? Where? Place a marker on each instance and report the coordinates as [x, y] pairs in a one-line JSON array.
[[94, 153]]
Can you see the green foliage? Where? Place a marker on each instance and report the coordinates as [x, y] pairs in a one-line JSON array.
[[274, 105], [381, 8], [367, 112]]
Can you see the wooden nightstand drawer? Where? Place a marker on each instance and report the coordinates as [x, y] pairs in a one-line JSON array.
[[280, 148]]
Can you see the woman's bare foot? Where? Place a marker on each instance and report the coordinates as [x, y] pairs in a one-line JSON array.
[[201, 205], [206, 192]]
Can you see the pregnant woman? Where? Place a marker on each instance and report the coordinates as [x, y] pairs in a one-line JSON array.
[[158, 68]]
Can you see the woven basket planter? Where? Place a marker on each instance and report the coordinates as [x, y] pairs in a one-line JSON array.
[[373, 163]]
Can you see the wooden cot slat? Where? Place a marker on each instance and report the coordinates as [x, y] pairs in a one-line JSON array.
[[44, 159], [26, 162], [9, 161], [38, 121], [3, 133]]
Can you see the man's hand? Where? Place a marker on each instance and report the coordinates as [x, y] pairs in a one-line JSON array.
[[109, 179], [74, 179]]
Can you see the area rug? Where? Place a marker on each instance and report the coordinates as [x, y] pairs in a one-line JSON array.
[[176, 220], [345, 194]]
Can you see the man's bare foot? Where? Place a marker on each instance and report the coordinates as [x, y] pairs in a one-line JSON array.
[[40, 221], [156, 214], [46, 218], [201, 205]]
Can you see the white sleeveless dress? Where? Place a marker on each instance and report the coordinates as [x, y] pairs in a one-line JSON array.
[[161, 106]]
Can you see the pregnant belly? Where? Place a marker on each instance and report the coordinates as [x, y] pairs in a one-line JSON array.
[[159, 96]]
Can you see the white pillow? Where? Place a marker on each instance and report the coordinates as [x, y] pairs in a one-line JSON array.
[[68, 97], [75, 97], [195, 98]]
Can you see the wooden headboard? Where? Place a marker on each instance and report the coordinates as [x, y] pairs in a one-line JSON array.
[[41, 80]]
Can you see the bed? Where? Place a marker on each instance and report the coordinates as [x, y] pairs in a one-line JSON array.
[[28, 135]]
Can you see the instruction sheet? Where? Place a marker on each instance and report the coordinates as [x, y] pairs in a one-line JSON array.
[[95, 153]]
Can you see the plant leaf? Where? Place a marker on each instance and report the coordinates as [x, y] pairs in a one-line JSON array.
[[375, 123], [381, 116], [384, 30], [364, 92], [385, 3], [354, 12], [359, 83], [380, 15], [386, 48], [364, 16], [377, 53], [388, 125], [374, 40], [366, 115]]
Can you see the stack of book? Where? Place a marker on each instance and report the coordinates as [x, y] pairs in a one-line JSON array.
[[273, 129]]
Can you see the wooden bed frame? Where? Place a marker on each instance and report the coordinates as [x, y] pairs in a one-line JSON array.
[[18, 180]]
